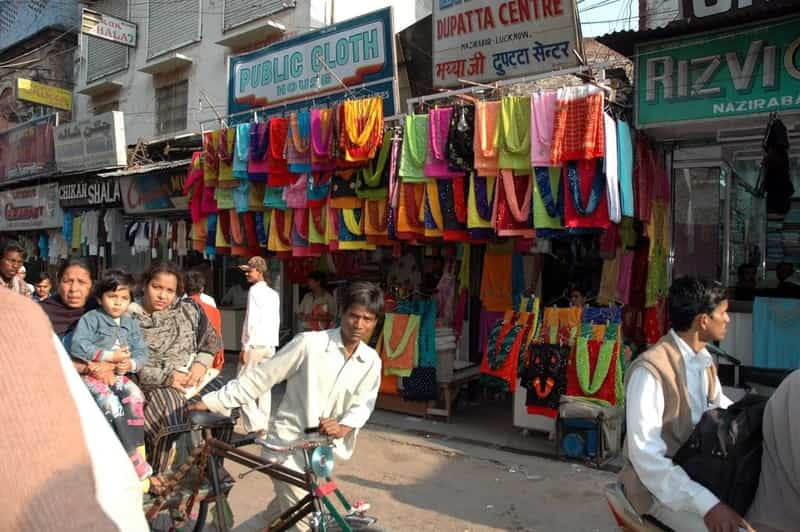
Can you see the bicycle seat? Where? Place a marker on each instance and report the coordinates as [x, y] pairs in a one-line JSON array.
[[209, 420]]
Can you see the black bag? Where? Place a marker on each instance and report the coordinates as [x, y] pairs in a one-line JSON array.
[[724, 452], [421, 385]]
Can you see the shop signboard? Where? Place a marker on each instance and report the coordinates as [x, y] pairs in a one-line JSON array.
[[32, 91], [719, 74], [311, 68], [704, 9], [490, 40], [109, 28], [27, 150], [91, 143], [90, 193], [30, 208], [154, 192]]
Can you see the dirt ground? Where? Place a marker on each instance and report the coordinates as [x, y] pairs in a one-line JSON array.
[[414, 484]]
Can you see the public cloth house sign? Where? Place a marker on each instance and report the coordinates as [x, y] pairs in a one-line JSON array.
[[296, 72], [489, 40], [719, 74], [92, 143]]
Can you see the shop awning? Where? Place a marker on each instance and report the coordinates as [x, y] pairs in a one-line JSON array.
[[147, 168]]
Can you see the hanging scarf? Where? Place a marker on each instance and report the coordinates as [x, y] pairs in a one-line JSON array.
[[376, 222], [578, 131], [316, 224], [543, 113], [363, 125], [436, 163], [411, 198], [625, 162], [415, 147], [479, 212], [373, 179], [611, 169], [298, 153], [547, 211], [351, 232], [278, 174], [280, 231], [64, 319], [319, 185], [485, 127], [227, 139], [242, 151], [400, 343], [460, 137], [434, 225], [259, 142], [211, 158], [513, 134], [322, 139], [343, 190], [511, 218], [455, 229], [295, 195], [273, 198], [585, 179]]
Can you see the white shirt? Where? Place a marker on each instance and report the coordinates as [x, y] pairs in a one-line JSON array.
[[321, 382], [667, 481], [262, 321], [117, 487]]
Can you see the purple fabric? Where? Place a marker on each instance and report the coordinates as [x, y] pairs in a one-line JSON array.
[[438, 128]]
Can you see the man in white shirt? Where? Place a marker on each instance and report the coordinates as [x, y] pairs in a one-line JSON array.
[[260, 338], [332, 381], [669, 387]]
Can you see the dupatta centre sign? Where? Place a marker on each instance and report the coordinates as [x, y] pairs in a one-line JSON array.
[[489, 40]]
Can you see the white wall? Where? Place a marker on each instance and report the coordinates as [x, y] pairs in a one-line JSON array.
[[662, 12], [208, 73], [405, 12]]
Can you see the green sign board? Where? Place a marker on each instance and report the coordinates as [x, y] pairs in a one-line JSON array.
[[719, 74]]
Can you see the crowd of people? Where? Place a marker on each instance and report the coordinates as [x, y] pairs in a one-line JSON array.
[[147, 361]]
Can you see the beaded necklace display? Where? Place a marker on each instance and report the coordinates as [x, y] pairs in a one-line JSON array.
[[519, 214], [596, 193], [604, 358]]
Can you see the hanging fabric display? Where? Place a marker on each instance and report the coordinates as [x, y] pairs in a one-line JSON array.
[[278, 174], [259, 152], [343, 190], [227, 144], [595, 372], [412, 196], [319, 184], [317, 218], [436, 162], [643, 178], [460, 138], [415, 149], [242, 151], [298, 146], [586, 203], [400, 344], [295, 196], [372, 181], [222, 236], [479, 207], [496, 288], [500, 362], [376, 223], [560, 325], [273, 198], [578, 131], [513, 133], [211, 158], [363, 127], [432, 215], [512, 206], [543, 113], [224, 198], [301, 247], [548, 198], [322, 140], [453, 202], [351, 231], [609, 281], [193, 187], [658, 231], [486, 116], [545, 375], [255, 195], [241, 196], [611, 162], [625, 162], [280, 231]]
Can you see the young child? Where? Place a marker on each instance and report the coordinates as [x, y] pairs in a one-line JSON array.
[[108, 334]]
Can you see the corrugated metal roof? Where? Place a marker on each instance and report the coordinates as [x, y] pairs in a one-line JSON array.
[[147, 168], [625, 42]]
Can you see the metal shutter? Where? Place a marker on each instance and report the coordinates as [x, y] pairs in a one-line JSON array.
[[172, 24], [105, 57], [238, 12]]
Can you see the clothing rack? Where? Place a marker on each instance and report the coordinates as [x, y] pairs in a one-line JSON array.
[[504, 83]]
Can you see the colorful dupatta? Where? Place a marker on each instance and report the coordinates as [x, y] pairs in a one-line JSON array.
[[578, 131], [436, 163], [486, 116], [415, 148], [512, 207]]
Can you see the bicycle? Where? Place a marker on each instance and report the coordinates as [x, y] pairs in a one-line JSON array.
[[211, 433]]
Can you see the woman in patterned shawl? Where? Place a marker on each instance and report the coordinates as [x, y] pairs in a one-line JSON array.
[[182, 344]]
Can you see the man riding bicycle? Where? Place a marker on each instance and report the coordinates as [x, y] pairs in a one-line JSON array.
[[332, 378]]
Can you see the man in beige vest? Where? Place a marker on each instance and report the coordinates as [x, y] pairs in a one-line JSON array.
[[668, 388]]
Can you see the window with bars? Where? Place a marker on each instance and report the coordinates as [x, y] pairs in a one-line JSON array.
[[172, 105], [238, 12], [172, 24], [103, 57]]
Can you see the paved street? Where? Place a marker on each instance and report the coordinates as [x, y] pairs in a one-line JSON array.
[[418, 484]]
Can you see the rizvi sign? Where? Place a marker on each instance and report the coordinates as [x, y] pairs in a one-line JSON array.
[[92, 143], [359, 52], [719, 74]]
